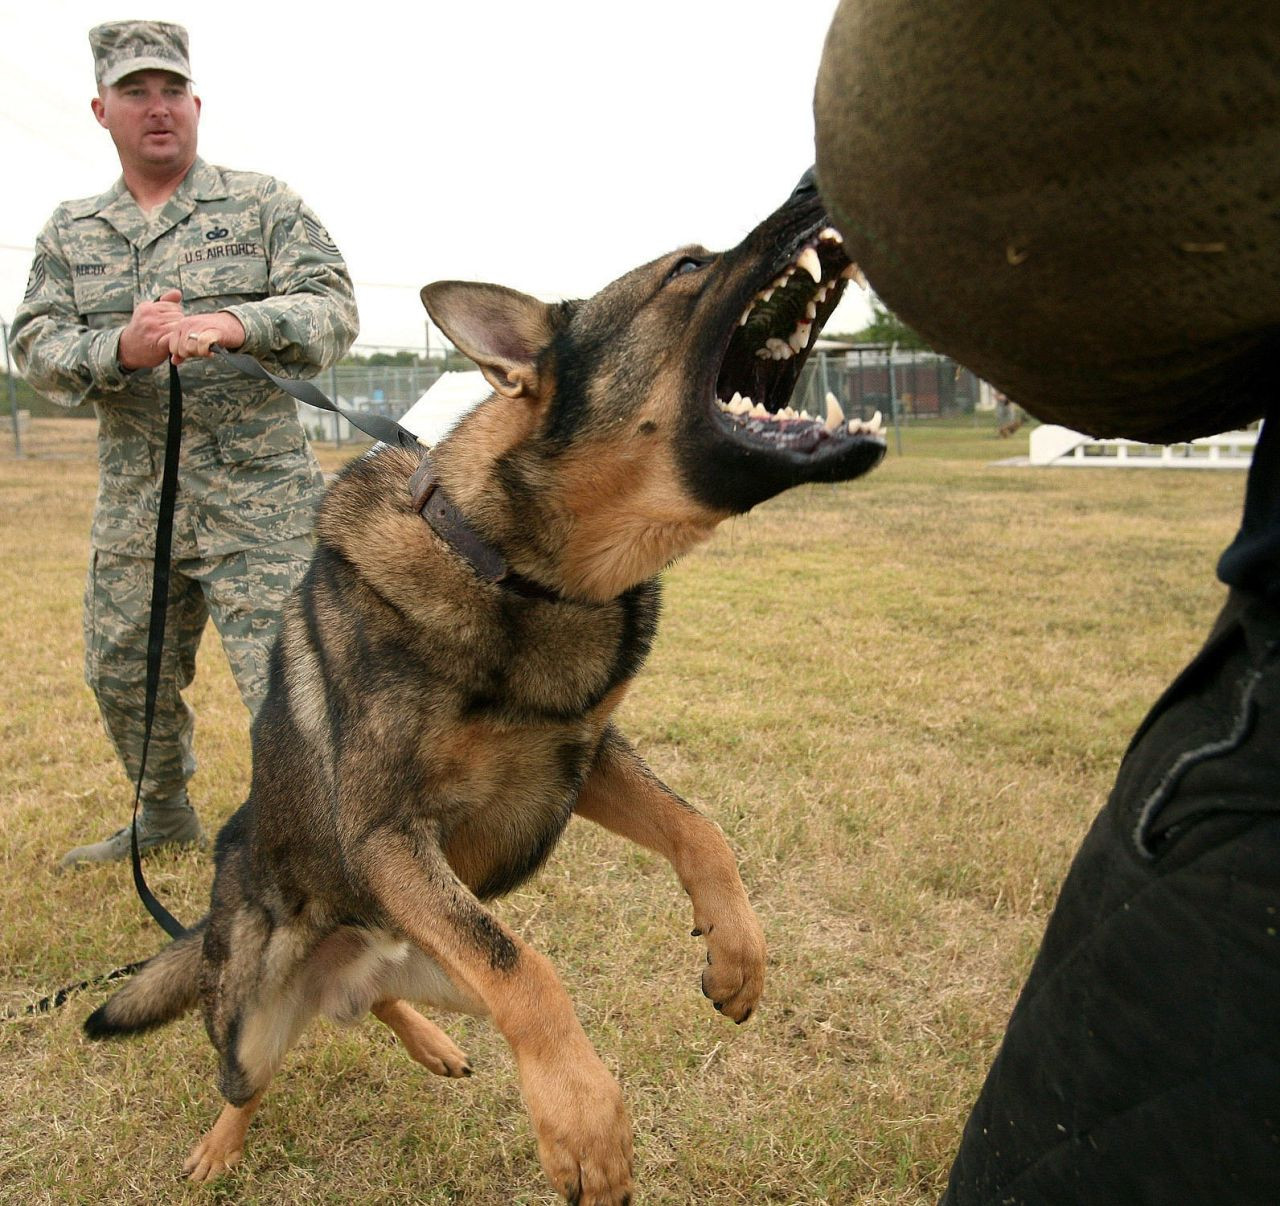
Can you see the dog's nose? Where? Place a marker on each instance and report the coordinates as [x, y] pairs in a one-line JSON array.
[[808, 187]]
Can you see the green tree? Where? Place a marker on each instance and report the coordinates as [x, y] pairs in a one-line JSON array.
[[886, 327]]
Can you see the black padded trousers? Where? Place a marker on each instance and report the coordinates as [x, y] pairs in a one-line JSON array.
[[1141, 1063]]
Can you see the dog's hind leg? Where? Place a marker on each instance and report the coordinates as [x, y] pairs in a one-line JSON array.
[[253, 1012], [423, 1040], [624, 795]]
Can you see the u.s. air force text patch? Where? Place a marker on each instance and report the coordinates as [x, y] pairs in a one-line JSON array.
[[35, 282], [317, 236]]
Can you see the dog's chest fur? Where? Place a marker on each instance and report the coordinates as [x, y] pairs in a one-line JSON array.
[[463, 708]]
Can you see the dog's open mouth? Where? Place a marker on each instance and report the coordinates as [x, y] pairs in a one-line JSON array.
[[773, 339]]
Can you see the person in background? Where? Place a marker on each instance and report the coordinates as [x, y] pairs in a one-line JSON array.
[[176, 256]]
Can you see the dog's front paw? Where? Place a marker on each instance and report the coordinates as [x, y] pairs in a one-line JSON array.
[[209, 1159], [584, 1132], [734, 976]]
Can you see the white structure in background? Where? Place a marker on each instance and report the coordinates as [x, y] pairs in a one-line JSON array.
[[450, 397], [1052, 445], [438, 411]]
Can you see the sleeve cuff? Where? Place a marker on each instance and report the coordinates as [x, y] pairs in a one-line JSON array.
[[104, 362], [258, 330]]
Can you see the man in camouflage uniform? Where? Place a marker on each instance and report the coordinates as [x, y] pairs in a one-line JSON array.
[[176, 256]]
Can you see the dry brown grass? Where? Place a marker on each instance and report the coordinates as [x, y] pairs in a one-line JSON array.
[[902, 699]]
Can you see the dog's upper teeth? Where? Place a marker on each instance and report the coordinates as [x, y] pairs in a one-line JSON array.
[[829, 234], [765, 294], [779, 348], [810, 311], [821, 294], [800, 336], [808, 260], [853, 273], [835, 413]]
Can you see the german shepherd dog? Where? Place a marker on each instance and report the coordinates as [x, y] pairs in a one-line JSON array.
[[443, 685]]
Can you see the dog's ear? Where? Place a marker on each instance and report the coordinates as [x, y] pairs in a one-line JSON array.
[[502, 330]]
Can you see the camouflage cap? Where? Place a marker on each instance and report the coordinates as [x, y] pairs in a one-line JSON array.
[[123, 47]]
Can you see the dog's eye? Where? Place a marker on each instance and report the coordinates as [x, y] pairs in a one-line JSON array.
[[685, 264]]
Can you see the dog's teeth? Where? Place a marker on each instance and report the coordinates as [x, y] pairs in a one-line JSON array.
[[765, 294], [854, 273], [746, 314], [759, 412], [764, 354], [829, 234], [784, 277], [821, 294], [808, 260], [800, 336], [810, 311], [835, 415], [777, 348], [871, 426]]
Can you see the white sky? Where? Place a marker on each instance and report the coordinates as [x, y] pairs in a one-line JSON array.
[[549, 145]]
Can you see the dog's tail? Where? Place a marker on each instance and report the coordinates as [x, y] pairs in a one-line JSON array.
[[163, 988]]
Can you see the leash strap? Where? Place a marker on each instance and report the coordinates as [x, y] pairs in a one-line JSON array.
[[155, 637], [56, 1000], [377, 427], [432, 502]]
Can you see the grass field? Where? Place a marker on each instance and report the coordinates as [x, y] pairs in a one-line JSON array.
[[903, 700]]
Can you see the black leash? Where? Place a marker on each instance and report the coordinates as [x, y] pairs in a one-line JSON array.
[[155, 637], [429, 500], [376, 426]]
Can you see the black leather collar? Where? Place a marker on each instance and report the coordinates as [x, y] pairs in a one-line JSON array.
[[448, 522]]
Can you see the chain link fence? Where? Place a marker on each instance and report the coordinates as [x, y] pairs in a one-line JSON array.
[[903, 386]]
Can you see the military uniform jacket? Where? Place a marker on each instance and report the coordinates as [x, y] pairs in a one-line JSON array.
[[235, 241]]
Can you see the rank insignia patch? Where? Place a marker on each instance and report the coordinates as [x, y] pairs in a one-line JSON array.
[[35, 282], [317, 236]]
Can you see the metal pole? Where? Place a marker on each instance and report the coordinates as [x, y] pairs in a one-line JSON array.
[[13, 391], [893, 400], [333, 393]]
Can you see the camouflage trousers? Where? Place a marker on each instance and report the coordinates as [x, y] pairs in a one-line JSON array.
[[244, 593]]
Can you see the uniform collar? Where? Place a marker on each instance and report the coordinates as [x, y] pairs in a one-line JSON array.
[[116, 206]]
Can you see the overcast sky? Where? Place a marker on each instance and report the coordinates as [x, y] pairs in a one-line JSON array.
[[549, 145]]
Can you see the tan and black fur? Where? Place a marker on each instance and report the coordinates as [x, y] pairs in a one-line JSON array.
[[428, 733]]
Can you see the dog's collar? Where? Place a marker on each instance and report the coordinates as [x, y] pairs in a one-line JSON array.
[[449, 523]]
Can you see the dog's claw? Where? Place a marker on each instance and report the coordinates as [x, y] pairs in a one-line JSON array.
[[733, 977]]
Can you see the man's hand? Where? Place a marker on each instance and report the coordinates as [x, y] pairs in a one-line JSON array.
[[197, 333], [144, 342]]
